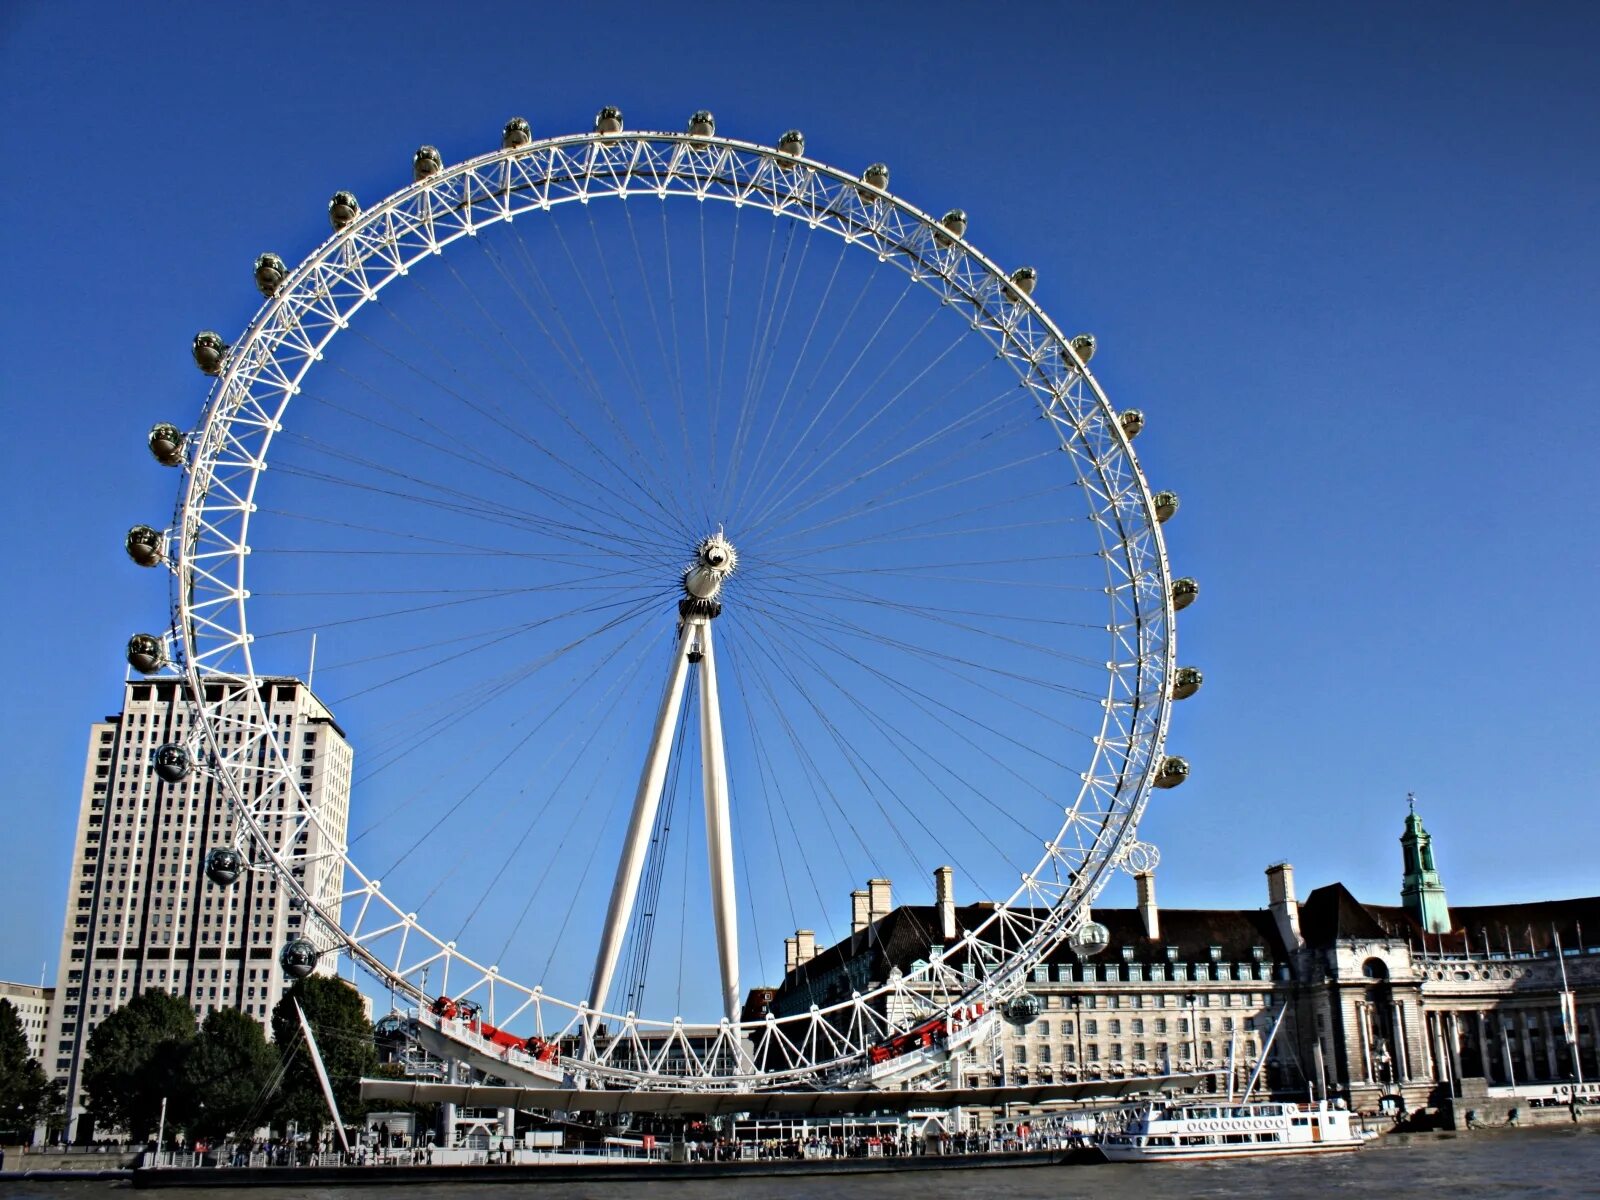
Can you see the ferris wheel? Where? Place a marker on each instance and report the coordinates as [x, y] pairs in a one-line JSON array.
[[690, 530]]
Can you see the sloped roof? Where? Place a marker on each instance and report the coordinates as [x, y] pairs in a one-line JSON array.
[[1331, 913], [908, 932], [1575, 920]]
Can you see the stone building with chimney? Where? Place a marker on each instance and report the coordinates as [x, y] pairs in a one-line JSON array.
[[1385, 1006]]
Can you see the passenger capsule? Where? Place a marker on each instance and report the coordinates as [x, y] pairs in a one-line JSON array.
[[1186, 682], [1132, 421], [145, 654], [1089, 939], [1172, 771], [172, 762], [270, 274], [223, 866], [516, 133], [954, 223], [1021, 282], [1022, 1008], [1166, 505], [1184, 592], [608, 120], [702, 124], [166, 443], [876, 177], [298, 959], [343, 209], [425, 162], [209, 351], [1083, 347], [792, 143], [144, 545]]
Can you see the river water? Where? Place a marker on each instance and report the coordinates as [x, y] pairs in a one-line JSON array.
[[1494, 1165]]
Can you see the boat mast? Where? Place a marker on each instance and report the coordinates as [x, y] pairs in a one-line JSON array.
[[1267, 1045]]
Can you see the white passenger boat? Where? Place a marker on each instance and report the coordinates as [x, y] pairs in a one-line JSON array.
[[1181, 1132]]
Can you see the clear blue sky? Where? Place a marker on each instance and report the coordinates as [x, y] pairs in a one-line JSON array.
[[1344, 259]]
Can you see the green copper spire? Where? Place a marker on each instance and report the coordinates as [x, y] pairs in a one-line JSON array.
[[1421, 893]]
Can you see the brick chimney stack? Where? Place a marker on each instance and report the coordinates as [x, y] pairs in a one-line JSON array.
[[1285, 908], [860, 910], [944, 895], [1148, 912], [879, 899]]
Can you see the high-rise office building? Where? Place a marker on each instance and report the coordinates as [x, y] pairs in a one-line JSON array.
[[141, 913]]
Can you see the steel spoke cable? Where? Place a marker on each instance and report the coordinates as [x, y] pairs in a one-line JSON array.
[[675, 381], [854, 763], [838, 445], [610, 698], [716, 390], [530, 377], [677, 339], [766, 774], [645, 463], [927, 653], [913, 497], [920, 699], [483, 691], [574, 504], [847, 321], [636, 377], [899, 451], [815, 778], [864, 771], [583, 377], [482, 779], [757, 502], [578, 365], [452, 715], [913, 757], [805, 756], [764, 562], [515, 430], [772, 339], [443, 711], [488, 515], [735, 485]]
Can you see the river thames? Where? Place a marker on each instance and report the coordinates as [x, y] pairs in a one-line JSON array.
[[1501, 1164]]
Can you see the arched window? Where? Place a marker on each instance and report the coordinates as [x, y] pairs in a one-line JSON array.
[[1375, 968]]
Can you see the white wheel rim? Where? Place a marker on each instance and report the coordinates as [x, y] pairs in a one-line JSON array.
[[287, 337]]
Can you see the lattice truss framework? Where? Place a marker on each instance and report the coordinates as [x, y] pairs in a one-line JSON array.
[[211, 643]]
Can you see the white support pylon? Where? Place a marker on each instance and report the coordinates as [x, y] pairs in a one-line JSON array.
[[715, 560], [645, 802], [719, 826]]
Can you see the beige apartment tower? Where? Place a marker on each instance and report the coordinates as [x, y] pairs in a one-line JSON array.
[[140, 912]]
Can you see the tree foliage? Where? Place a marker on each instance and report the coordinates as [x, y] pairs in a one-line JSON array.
[[225, 1071], [344, 1036], [136, 1058], [25, 1092]]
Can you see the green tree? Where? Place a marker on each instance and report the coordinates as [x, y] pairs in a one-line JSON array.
[[25, 1093], [226, 1070], [135, 1059], [344, 1036]]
